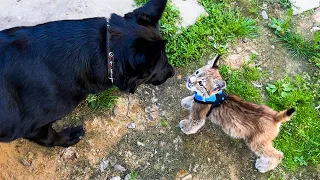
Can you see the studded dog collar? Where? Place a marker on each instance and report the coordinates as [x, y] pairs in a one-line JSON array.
[[110, 55]]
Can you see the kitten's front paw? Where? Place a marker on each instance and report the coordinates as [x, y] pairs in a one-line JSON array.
[[188, 127]]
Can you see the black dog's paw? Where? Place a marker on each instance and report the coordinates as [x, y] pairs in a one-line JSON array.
[[70, 136]]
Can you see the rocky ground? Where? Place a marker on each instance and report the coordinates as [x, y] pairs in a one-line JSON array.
[[139, 137]]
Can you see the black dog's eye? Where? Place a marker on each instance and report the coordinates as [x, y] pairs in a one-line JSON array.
[[200, 83]]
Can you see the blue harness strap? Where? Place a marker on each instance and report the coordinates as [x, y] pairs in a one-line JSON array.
[[215, 100]]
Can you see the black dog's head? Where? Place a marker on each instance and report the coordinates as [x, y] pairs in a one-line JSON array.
[[138, 48]]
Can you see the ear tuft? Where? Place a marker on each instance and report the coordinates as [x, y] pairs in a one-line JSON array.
[[215, 63]]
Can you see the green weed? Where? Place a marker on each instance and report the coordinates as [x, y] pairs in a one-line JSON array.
[[104, 100], [297, 45], [134, 175], [285, 4], [239, 82], [211, 33]]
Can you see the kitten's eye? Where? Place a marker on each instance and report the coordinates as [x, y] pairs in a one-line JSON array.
[[197, 72], [200, 83]]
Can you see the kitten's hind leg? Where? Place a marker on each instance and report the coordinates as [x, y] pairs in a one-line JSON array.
[[187, 102], [269, 157]]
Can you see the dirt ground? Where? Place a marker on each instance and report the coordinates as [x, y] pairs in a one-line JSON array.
[[131, 139]]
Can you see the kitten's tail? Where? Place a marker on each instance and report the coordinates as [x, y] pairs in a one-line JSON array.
[[285, 115]]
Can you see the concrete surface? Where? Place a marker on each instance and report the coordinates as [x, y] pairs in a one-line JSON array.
[[31, 12], [190, 10], [299, 6]]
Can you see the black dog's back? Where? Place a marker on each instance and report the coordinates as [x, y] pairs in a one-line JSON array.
[[46, 70]]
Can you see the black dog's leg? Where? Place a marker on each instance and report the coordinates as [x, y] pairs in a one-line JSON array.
[[48, 137]]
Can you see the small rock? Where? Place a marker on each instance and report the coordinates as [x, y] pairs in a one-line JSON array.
[[140, 143], [238, 50], [272, 47], [313, 29], [26, 162], [188, 177], [128, 177], [195, 168], [154, 99], [245, 40], [210, 38], [264, 14], [104, 164], [119, 168], [264, 5], [116, 111], [254, 52], [183, 175], [131, 126], [69, 153], [116, 178]]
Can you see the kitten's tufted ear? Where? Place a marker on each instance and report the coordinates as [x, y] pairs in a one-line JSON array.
[[214, 63]]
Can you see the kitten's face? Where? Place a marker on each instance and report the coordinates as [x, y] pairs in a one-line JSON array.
[[206, 81]]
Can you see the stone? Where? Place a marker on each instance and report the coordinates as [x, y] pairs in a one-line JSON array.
[[116, 178], [300, 6], [188, 177], [131, 126], [245, 40], [190, 11], [272, 47], [26, 162], [195, 168], [140, 144], [69, 153], [314, 29], [104, 164], [316, 16], [238, 49], [128, 177], [183, 175], [264, 14], [119, 168]]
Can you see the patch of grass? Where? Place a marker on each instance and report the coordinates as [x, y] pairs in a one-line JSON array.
[[210, 34], [297, 45], [239, 82], [299, 138], [253, 8], [164, 123], [285, 4], [104, 100], [133, 175]]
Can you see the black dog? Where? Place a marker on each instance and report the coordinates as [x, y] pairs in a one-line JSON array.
[[48, 69]]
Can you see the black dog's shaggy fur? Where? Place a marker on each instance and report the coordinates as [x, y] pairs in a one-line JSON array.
[[48, 69]]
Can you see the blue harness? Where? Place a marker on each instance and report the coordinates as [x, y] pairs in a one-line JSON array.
[[215, 100]]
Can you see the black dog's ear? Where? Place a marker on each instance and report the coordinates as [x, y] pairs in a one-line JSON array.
[[149, 48], [151, 12]]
